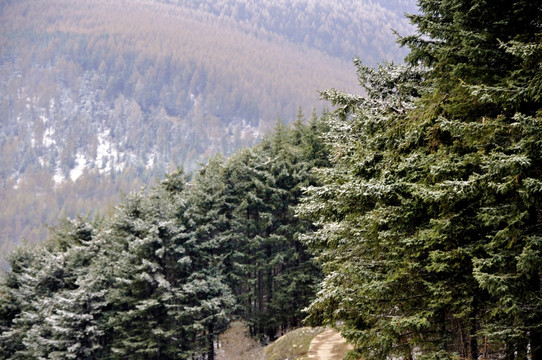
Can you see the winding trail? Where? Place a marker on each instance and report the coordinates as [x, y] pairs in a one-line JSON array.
[[328, 345]]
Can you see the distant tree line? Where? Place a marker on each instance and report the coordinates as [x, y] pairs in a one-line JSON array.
[[340, 29]]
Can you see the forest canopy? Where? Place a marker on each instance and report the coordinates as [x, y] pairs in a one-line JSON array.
[[164, 275]]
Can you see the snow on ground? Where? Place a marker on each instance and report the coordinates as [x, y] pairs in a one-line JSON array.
[[81, 164], [48, 137], [58, 178], [106, 152], [150, 161]]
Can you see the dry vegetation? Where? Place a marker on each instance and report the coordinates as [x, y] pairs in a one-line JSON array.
[[293, 345], [235, 344], [164, 41]]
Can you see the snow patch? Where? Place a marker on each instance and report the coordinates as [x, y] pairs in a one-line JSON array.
[[243, 129], [48, 137], [108, 157], [106, 152], [77, 171], [58, 178], [44, 119], [150, 162], [17, 182]]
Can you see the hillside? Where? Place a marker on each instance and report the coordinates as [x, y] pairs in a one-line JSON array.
[[99, 96]]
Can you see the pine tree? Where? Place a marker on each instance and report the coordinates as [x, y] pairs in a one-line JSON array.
[[146, 248], [14, 299], [247, 189], [77, 315], [373, 284], [168, 293], [484, 58], [268, 268], [35, 284], [430, 215], [461, 41], [207, 211], [291, 273]]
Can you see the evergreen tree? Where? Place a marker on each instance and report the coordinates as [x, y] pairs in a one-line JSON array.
[[465, 42], [270, 272], [206, 211], [168, 294], [247, 189], [77, 315], [145, 246], [14, 299], [373, 284], [291, 273], [484, 58], [429, 218], [42, 318]]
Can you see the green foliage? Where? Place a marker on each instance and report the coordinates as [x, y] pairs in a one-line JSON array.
[[366, 218], [421, 201], [429, 218], [50, 312], [266, 266], [493, 47]]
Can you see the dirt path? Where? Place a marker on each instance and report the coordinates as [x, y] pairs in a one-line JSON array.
[[328, 345]]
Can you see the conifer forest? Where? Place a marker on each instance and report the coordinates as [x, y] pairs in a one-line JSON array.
[[407, 213]]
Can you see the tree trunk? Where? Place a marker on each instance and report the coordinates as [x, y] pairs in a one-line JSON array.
[[536, 345], [521, 351], [473, 340], [211, 347], [535, 334]]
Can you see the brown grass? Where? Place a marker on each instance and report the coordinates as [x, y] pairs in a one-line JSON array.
[[292, 346], [235, 344]]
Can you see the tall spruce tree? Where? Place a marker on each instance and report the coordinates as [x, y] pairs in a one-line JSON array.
[[76, 311], [48, 313], [207, 213], [16, 298], [484, 61], [430, 217], [245, 207], [363, 224], [291, 273]]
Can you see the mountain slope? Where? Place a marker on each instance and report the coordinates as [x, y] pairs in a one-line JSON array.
[[100, 96]]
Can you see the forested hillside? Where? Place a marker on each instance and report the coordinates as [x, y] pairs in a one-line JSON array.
[[342, 29], [116, 93]]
